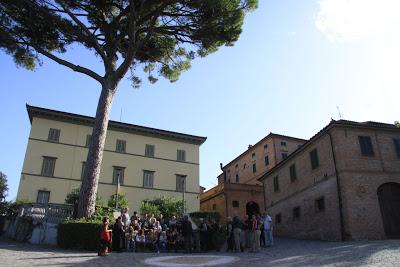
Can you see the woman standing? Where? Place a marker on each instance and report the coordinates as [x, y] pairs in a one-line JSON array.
[[118, 235]]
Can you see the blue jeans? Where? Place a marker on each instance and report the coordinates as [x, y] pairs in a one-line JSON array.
[[269, 237]]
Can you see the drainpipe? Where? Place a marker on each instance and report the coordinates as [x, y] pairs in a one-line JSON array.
[[225, 195], [339, 191]]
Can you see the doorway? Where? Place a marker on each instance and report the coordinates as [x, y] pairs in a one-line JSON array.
[[389, 202], [252, 208]]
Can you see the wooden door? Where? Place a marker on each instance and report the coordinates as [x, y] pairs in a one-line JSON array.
[[389, 201]]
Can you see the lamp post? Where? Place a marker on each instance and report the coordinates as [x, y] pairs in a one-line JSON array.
[[183, 194], [117, 192]]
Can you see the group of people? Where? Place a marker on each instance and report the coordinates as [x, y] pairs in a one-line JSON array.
[[252, 233], [159, 234], [145, 233]]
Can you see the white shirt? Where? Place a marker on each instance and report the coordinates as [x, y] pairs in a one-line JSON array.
[[267, 222]]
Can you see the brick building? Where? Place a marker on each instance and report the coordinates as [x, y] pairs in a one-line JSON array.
[[238, 191], [343, 184]]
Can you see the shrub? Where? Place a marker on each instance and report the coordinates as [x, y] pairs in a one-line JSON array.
[[166, 206], [149, 208], [122, 201], [79, 235]]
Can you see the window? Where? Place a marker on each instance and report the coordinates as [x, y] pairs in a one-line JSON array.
[[253, 155], [121, 146], [181, 155], [314, 159], [397, 146], [283, 143], [214, 207], [296, 213], [266, 160], [237, 178], [278, 218], [284, 156], [83, 170], [149, 151], [366, 145], [88, 140], [276, 183], [118, 175], [49, 163], [244, 166], [293, 175], [265, 147], [148, 179], [54, 135], [43, 197], [254, 168], [180, 183], [319, 204], [236, 166], [235, 204]]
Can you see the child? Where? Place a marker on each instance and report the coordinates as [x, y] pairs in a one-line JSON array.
[[105, 238], [131, 238], [140, 240]]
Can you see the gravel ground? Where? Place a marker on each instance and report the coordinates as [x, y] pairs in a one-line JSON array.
[[286, 252]]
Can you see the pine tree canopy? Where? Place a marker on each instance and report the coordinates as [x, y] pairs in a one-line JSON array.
[[160, 37]]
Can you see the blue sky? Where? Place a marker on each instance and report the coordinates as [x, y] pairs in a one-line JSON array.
[[295, 63]]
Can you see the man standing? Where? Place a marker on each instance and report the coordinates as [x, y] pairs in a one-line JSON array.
[[236, 225], [268, 230], [187, 234]]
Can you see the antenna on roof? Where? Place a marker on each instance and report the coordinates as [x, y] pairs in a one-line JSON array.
[[120, 116], [339, 113]]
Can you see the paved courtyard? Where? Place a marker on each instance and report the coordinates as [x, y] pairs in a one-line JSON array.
[[286, 252]]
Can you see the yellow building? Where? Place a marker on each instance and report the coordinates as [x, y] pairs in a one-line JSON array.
[[148, 162]]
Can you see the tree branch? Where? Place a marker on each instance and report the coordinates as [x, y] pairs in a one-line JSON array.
[[68, 64], [93, 39]]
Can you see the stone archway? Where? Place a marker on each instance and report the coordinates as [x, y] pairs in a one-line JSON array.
[[252, 208], [389, 202]]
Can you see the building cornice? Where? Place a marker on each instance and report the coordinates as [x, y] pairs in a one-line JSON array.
[[113, 125]]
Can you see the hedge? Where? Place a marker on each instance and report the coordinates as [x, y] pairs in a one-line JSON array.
[[79, 235]]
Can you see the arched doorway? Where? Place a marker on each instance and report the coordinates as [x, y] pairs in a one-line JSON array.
[[252, 208], [389, 202]]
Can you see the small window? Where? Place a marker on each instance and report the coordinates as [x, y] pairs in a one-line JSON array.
[[266, 160], [253, 155], [83, 172], [265, 147], [88, 140], [397, 146], [229, 171], [43, 197], [235, 204], [283, 143], [214, 206], [284, 156], [180, 183], [254, 168], [278, 218], [148, 179], [320, 204], [54, 135], [237, 178], [314, 159], [118, 175], [366, 145], [276, 183], [296, 213], [181, 155], [244, 166], [121, 146], [293, 175], [149, 151], [48, 166], [237, 166]]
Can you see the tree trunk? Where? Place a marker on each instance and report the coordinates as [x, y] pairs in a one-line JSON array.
[[87, 197]]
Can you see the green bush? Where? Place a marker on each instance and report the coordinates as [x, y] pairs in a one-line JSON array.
[[122, 201], [79, 235], [149, 208], [166, 206]]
